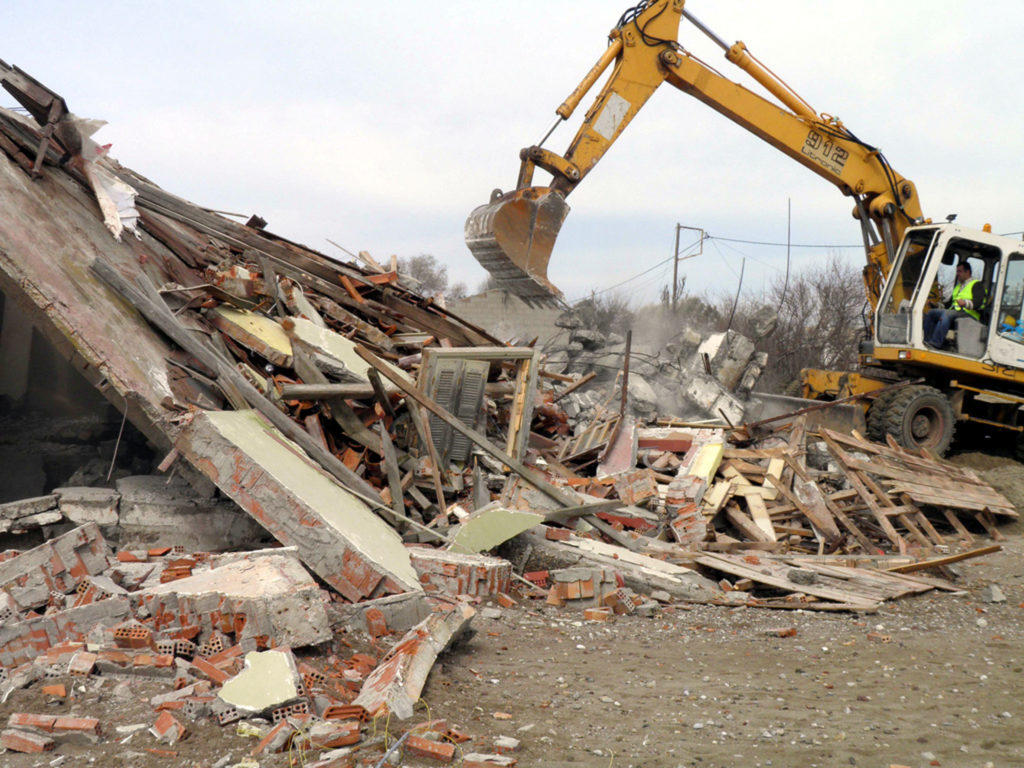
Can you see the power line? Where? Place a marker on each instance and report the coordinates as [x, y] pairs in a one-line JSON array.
[[783, 245], [724, 260], [752, 258], [634, 277]]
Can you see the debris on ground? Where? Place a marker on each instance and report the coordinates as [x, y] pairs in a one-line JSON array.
[[345, 473]]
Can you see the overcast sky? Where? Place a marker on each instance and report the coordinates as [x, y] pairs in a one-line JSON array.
[[381, 125]]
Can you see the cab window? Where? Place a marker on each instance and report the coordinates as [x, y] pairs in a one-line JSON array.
[[1011, 307]]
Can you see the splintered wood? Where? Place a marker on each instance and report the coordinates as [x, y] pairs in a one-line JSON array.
[[871, 498]]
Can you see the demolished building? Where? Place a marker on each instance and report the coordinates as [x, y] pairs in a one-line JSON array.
[[368, 450]]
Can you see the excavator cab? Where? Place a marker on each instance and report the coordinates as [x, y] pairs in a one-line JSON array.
[[923, 275]]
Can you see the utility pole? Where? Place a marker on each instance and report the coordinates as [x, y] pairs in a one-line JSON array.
[[675, 270], [676, 260]]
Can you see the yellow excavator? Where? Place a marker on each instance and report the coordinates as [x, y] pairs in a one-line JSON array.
[[977, 375]]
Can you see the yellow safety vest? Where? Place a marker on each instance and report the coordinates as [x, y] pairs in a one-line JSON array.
[[964, 291]]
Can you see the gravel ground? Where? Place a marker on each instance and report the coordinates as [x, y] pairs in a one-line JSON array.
[[928, 680]]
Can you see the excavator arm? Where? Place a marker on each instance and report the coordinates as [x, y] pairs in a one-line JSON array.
[[513, 235]]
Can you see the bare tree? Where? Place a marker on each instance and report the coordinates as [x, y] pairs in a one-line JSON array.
[[605, 312], [489, 283], [432, 276], [820, 321]]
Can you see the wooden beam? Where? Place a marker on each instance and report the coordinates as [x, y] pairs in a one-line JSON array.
[[156, 312], [948, 560], [532, 476]]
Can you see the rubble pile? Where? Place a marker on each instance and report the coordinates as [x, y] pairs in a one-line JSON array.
[[686, 375], [389, 451]]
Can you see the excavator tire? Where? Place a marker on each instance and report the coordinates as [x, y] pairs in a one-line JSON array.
[[920, 417], [876, 415], [1018, 449]]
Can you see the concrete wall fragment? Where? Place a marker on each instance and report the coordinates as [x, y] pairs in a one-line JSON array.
[[336, 534]]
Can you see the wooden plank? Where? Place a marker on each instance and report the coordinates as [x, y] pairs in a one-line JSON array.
[[391, 468], [737, 567], [948, 560], [914, 530], [747, 526], [341, 412], [958, 526], [533, 477], [156, 312], [574, 386], [759, 512], [824, 524], [846, 521], [422, 425], [880, 583], [865, 494], [987, 523], [716, 498]]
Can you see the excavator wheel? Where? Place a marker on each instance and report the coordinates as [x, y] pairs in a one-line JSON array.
[[876, 415], [920, 417]]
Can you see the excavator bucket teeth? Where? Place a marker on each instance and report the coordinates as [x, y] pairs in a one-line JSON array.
[[512, 237]]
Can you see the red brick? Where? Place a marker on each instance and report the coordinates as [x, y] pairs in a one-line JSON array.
[[223, 657], [375, 622], [29, 720], [598, 614], [275, 740], [335, 734], [168, 729], [345, 712], [557, 534], [24, 741], [83, 724], [505, 601], [455, 735], [438, 750], [58, 690], [208, 669], [81, 663], [159, 551], [133, 635]]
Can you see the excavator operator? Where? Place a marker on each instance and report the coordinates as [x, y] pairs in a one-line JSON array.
[[967, 300]]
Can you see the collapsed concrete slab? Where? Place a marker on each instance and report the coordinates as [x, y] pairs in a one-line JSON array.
[[455, 573], [335, 533], [159, 511], [269, 596], [270, 679], [22, 641], [57, 565], [395, 685], [490, 526]]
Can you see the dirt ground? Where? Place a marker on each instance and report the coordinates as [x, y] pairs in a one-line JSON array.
[[711, 687], [928, 680]]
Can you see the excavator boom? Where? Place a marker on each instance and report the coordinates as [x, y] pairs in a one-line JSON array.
[[513, 235]]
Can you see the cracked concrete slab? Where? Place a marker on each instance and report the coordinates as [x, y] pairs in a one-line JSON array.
[[336, 534]]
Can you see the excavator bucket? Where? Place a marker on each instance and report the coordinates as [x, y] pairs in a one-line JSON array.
[[512, 237]]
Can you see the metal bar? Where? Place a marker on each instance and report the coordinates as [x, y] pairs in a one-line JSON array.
[[700, 25], [829, 404], [625, 373]]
